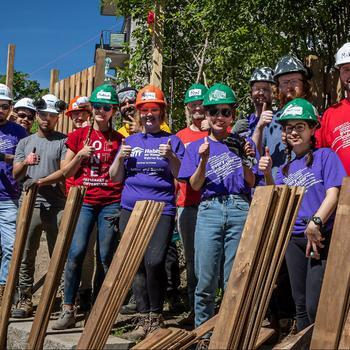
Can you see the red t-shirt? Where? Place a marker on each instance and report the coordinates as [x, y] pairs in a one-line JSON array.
[[186, 196], [335, 131], [94, 172]]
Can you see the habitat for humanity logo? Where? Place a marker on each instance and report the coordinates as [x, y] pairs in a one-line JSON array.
[[136, 151]]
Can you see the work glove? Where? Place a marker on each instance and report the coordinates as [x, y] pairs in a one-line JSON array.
[[241, 125]]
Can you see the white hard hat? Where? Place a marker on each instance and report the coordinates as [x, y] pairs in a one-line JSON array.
[[5, 92], [25, 102], [343, 55], [50, 104]]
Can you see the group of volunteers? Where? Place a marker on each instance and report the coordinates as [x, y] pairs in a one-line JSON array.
[[205, 175]]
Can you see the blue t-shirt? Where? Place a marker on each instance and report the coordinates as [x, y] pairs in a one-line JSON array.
[[10, 134], [147, 174], [325, 172], [224, 170]]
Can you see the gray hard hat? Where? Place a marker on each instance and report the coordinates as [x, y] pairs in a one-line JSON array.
[[289, 64], [262, 74]]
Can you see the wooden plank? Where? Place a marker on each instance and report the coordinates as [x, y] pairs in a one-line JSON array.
[[299, 341], [84, 79], [264, 335], [56, 89], [10, 70], [345, 336], [333, 300], [100, 67], [90, 80], [53, 80], [53, 276], [242, 268], [116, 285], [59, 125], [23, 222], [78, 84], [66, 99], [153, 339]]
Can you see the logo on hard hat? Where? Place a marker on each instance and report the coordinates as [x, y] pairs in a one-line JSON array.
[[149, 96], [217, 95], [294, 110], [345, 54], [104, 95], [195, 92]]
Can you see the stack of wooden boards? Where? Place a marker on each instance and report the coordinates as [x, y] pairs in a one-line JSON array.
[[264, 241], [120, 275], [332, 325]]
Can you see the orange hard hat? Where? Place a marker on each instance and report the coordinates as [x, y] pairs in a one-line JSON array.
[[150, 93], [78, 103]]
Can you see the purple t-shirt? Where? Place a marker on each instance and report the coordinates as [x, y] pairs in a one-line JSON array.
[[224, 171], [10, 134], [325, 172], [147, 174]]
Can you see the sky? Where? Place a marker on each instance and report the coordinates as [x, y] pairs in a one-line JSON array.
[[52, 35]]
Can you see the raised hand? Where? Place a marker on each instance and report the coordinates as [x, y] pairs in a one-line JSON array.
[[265, 117], [165, 149], [249, 150], [205, 125], [265, 162], [204, 149], [86, 152], [125, 150], [32, 158]]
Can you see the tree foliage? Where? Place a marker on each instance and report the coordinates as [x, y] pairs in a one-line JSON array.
[[24, 87], [241, 35]]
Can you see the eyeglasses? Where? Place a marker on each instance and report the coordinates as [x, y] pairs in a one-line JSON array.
[[47, 115], [129, 95], [145, 111], [194, 105], [105, 107], [297, 127], [263, 90], [215, 112], [293, 82], [23, 116], [5, 107]]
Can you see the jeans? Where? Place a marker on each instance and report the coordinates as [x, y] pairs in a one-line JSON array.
[[44, 219], [306, 276], [220, 223], [150, 280], [186, 223], [8, 215], [106, 244]]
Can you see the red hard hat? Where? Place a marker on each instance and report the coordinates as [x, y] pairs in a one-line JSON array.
[[78, 103]]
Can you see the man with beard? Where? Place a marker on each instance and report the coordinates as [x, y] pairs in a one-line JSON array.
[[10, 135], [188, 199], [38, 156], [335, 122], [291, 79]]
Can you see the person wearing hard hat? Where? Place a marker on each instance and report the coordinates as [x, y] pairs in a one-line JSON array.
[[225, 181], [291, 77], [147, 163], [10, 135], [79, 110], [335, 122], [321, 172], [37, 156], [131, 122], [25, 113], [188, 199]]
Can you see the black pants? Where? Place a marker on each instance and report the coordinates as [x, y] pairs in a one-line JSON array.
[[306, 276], [172, 269], [150, 280]]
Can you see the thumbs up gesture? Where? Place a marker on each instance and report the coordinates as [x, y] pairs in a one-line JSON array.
[[204, 150], [241, 125], [32, 158], [165, 149], [125, 150], [265, 162], [265, 117]]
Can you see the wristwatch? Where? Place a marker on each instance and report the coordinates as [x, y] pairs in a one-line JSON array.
[[317, 220]]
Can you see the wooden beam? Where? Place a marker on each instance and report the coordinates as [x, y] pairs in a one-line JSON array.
[[100, 67], [299, 341], [158, 38], [54, 74], [23, 222], [10, 70]]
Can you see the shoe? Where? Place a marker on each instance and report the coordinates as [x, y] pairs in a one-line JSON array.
[[130, 307], [203, 344], [156, 321], [24, 306], [65, 320], [2, 290], [85, 300], [140, 330]]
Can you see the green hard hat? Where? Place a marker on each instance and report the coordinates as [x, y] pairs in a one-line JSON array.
[[196, 92], [104, 94], [219, 94], [299, 109]]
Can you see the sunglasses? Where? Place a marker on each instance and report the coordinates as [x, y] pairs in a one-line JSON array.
[[215, 112], [5, 107], [23, 116], [129, 95], [103, 106]]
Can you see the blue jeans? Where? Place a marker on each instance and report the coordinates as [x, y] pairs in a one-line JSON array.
[[8, 215], [220, 223], [107, 240]]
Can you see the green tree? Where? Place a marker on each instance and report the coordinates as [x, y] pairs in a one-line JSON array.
[[24, 87]]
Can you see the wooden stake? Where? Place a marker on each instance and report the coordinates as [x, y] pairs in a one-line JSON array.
[[23, 222], [100, 67], [53, 80], [10, 70]]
